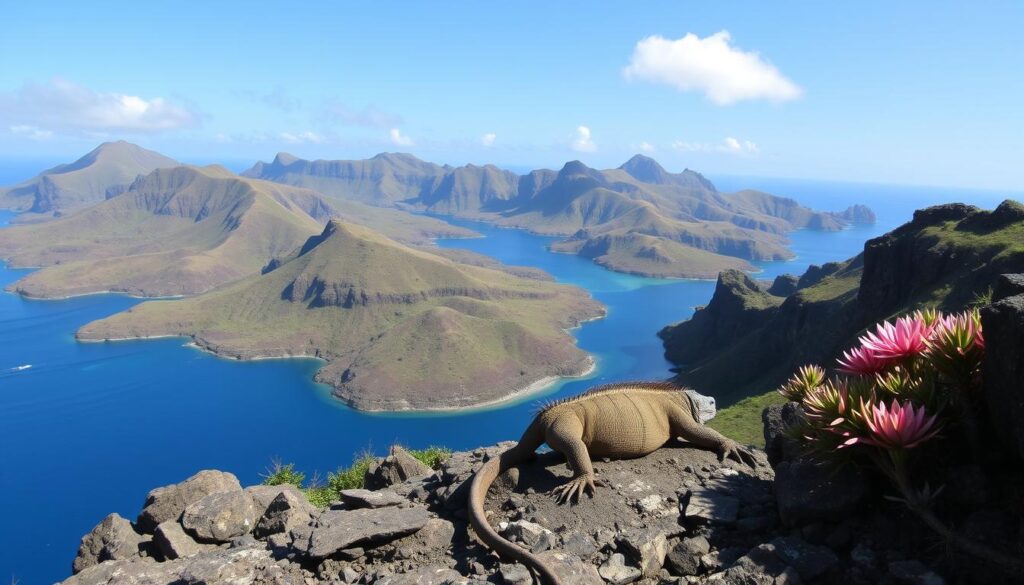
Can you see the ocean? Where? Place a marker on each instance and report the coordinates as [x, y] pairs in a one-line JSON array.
[[89, 428]]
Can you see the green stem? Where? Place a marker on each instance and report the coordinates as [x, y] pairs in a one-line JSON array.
[[897, 472]]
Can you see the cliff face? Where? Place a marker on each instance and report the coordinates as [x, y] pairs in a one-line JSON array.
[[747, 340]]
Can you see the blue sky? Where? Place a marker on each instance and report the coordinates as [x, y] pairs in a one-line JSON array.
[[903, 92]]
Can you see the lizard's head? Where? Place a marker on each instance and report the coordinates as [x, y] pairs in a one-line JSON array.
[[703, 406]]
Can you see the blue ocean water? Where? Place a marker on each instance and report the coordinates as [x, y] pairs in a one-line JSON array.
[[89, 428]]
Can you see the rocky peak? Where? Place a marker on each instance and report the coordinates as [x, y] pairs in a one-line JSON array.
[[284, 159], [646, 169]]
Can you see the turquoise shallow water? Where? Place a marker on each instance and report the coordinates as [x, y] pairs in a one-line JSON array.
[[91, 427]]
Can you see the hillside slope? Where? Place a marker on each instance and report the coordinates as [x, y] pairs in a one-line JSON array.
[[185, 230], [641, 218], [746, 340], [428, 332], [105, 172]]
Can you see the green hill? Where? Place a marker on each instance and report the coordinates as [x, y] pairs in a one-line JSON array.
[[426, 332], [105, 172], [182, 231], [618, 210], [747, 340]]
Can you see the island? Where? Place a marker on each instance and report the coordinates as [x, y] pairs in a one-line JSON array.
[[106, 171], [184, 230], [637, 218], [399, 328]]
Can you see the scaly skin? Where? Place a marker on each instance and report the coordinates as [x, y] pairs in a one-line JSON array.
[[619, 421]]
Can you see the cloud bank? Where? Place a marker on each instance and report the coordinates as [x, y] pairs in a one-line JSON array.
[[61, 106], [723, 73], [728, 145]]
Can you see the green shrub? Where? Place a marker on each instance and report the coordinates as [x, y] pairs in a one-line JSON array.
[[351, 477], [321, 494], [432, 456], [280, 474]]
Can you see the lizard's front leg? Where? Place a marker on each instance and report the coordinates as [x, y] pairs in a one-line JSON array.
[[565, 435], [683, 425]]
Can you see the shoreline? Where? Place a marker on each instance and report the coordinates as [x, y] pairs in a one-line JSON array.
[[520, 393], [517, 394]]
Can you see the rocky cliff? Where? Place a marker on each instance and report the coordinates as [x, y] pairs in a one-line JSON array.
[[676, 516], [749, 337]]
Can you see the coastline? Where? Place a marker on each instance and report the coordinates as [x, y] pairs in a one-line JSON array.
[[516, 395]]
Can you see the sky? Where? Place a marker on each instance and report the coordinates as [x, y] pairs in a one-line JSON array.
[[912, 92]]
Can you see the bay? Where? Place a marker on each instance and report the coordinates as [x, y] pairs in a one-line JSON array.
[[89, 428]]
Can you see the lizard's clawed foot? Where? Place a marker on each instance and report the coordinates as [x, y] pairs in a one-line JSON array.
[[573, 490], [737, 452]]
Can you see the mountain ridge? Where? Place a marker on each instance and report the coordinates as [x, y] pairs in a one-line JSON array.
[[102, 173], [180, 231], [578, 202], [747, 339]]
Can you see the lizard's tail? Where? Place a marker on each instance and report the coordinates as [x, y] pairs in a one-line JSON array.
[[478, 492]]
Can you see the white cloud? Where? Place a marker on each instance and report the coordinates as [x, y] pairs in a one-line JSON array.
[[31, 132], [646, 147], [728, 145], [725, 74], [488, 139], [583, 141], [307, 137], [398, 139], [65, 107]]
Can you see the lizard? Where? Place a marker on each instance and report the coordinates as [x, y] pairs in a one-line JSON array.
[[617, 421]]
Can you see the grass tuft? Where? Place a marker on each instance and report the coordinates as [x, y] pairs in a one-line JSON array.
[[280, 474], [322, 493]]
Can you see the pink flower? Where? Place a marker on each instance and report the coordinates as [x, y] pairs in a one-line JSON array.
[[861, 361], [897, 426], [904, 338]]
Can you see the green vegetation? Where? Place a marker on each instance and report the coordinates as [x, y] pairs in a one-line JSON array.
[[281, 474], [844, 282], [105, 171], [1006, 240], [638, 219], [742, 421], [321, 494], [651, 256], [427, 332]]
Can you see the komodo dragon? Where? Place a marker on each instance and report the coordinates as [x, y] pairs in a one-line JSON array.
[[618, 421]]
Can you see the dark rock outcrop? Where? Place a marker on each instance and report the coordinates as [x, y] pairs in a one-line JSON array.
[[637, 529], [168, 503], [778, 419], [220, 517], [285, 512], [1003, 323], [784, 285], [173, 543], [947, 256], [337, 530], [113, 539], [397, 467]]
